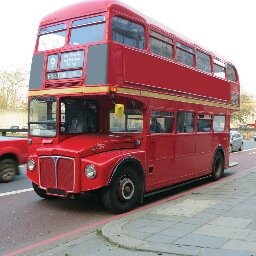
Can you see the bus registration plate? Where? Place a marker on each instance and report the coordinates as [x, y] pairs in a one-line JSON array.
[[64, 74]]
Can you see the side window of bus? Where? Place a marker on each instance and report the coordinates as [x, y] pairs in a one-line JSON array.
[[128, 33], [185, 54], [185, 122], [231, 73], [204, 123], [219, 123], [219, 68], [203, 62], [131, 121], [161, 45], [161, 122]]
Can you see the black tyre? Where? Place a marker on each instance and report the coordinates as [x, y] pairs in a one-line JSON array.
[[230, 148], [40, 192], [124, 191], [217, 166], [8, 170], [241, 147]]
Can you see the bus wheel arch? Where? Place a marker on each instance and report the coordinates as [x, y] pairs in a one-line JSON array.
[[218, 164], [125, 188]]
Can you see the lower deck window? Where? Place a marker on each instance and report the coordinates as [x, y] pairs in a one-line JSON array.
[[185, 122], [131, 121], [161, 122], [219, 123]]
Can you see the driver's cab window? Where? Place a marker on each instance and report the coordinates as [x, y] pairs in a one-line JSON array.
[[78, 116]]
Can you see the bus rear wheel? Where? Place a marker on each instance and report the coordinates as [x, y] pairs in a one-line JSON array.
[[217, 166], [124, 190]]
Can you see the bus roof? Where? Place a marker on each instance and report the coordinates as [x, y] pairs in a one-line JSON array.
[[97, 6]]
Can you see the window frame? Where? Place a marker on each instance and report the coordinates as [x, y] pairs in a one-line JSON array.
[[177, 122], [210, 61], [205, 116], [161, 38], [233, 69], [163, 114], [85, 25], [138, 23], [183, 47], [213, 123], [220, 64]]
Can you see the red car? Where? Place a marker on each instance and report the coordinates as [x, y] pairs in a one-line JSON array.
[[13, 152]]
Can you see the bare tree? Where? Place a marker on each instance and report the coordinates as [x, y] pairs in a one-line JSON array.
[[13, 89], [247, 109]]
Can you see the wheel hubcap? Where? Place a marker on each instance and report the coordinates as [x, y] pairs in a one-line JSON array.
[[125, 189]]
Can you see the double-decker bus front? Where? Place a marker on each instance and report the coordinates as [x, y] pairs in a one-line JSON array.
[[78, 142]]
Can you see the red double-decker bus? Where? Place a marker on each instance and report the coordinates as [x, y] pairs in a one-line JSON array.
[[122, 105]]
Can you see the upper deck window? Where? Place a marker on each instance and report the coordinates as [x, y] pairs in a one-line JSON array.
[[161, 45], [128, 33], [185, 54], [203, 62], [52, 37], [231, 73], [219, 68], [87, 30]]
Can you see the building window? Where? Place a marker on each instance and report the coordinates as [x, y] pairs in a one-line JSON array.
[[160, 45], [203, 62], [128, 33], [185, 122], [185, 54], [161, 122], [219, 123], [231, 73], [204, 123]]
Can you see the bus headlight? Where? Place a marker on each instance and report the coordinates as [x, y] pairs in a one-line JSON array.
[[90, 171], [31, 165]]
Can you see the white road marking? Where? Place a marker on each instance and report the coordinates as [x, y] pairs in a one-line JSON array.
[[244, 151], [16, 192]]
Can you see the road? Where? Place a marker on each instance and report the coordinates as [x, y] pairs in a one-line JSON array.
[[26, 220]]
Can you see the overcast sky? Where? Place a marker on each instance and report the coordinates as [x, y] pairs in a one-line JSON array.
[[226, 27]]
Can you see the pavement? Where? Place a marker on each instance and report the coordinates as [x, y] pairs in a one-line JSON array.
[[217, 218]]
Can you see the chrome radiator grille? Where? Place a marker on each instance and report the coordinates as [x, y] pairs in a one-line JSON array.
[[57, 172]]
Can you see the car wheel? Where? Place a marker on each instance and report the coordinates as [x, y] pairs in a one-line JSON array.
[[41, 192], [217, 166], [123, 192], [8, 169]]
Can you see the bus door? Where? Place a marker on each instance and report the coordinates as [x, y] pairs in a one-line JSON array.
[[160, 150]]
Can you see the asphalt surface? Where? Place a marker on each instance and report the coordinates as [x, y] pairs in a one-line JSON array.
[[27, 221]]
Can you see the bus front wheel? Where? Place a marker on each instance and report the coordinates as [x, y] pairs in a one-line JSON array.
[[123, 192], [217, 166]]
